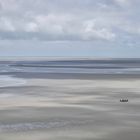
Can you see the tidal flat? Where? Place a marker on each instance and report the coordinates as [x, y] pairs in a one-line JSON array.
[[40, 101]]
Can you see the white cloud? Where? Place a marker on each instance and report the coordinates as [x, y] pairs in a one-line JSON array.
[[92, 31], [50, 23], [66, 20], [6, 25], [31, 27], [122, 1], [95, 24]]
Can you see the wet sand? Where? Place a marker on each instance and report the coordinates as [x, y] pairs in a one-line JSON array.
[[71, 109]]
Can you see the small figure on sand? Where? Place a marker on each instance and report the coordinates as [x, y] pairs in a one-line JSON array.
[[123, 100]]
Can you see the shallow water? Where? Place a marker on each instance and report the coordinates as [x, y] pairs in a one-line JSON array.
[[6, 81], [112, 66]]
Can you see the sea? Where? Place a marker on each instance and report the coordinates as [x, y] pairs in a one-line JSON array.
[[95, 66], [12, 69]]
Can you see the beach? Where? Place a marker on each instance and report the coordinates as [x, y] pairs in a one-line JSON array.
[[70, 104]]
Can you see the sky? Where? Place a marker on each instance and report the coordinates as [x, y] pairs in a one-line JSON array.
[[70, 28]]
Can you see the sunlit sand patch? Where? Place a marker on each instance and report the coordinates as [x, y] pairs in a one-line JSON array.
[[48, 103], [7, 95], [74, 86]]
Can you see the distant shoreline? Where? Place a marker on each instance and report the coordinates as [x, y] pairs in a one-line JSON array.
[[35, 58]]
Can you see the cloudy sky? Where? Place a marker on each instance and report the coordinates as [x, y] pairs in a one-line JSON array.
[[97, 28]]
